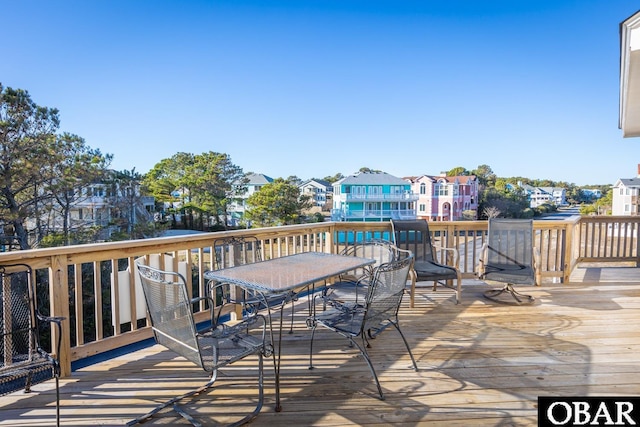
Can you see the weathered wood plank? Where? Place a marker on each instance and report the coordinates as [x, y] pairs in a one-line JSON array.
[[480, 364]]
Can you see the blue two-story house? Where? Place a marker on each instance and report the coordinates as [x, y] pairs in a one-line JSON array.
[[372, 197]]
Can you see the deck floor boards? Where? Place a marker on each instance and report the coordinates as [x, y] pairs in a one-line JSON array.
[[480, 363]]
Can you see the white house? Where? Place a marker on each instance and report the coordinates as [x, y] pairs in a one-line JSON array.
[[318, 189], [237, 207], [625, 196], [558, 195]]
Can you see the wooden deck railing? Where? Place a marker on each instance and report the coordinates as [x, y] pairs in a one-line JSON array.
[[89, 285]]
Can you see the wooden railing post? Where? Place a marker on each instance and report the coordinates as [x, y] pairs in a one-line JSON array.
[[59, 298], [569, 262], [329, 243]]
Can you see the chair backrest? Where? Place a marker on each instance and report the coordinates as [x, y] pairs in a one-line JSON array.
[[170, 311], [232, 251], [19, 333], [510, 249], [414, 235], [383, 251], [385, 292]]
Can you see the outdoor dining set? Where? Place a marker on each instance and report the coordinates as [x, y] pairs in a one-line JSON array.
[[356, 293]]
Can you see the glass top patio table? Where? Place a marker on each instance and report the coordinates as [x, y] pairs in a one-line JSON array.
[[286, 275]]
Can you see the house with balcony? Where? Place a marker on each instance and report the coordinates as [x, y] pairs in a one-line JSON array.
[[372, 197], [319, 190], [101, 204], [445, 198], [254, 182], [539, 196], [592, 193], [625, 196]]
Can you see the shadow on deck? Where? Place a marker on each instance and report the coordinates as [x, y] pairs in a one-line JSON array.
[[480, 363]]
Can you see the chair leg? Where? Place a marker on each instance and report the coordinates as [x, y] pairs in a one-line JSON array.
[[412, 295], [406, 344], [57, 401], [174, 402], [365, 354], [292, 311], [493, 294], [311, 323]]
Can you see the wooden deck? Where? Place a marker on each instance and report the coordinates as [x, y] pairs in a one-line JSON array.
[[480, 364]]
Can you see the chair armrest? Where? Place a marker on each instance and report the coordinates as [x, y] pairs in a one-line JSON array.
[[480, 268], [401, 253], [456, 255], [54, 321]]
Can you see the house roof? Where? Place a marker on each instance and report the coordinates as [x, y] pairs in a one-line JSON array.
[[629, 182], [629, 120], [462, 179], [258, 178], [317, 182], [363, 178]]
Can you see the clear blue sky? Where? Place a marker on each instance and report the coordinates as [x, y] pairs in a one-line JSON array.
[[313, 88]]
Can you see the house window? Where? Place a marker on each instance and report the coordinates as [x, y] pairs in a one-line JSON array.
[[373, 208], [626, 208], [423, 188], [423, 207], [375, 190]]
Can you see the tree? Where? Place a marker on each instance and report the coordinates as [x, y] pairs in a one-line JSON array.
[[368, 170], [277, 203], [125, 196], [166, 182], [485, 175], [293, 179], [35, 162], [78, 167], [201, 184], [507, 203], [334, 178], [458, 171], [214, 180]]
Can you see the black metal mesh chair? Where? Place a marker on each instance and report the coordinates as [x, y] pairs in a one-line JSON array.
[[23, 362], [216, 346], [351, 288], [509, 257], [414, 235], [380, 310]]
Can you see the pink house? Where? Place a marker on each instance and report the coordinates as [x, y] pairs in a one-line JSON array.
[[444, 198]]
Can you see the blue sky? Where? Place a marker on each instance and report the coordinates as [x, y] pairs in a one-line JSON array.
[[313, 88]]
